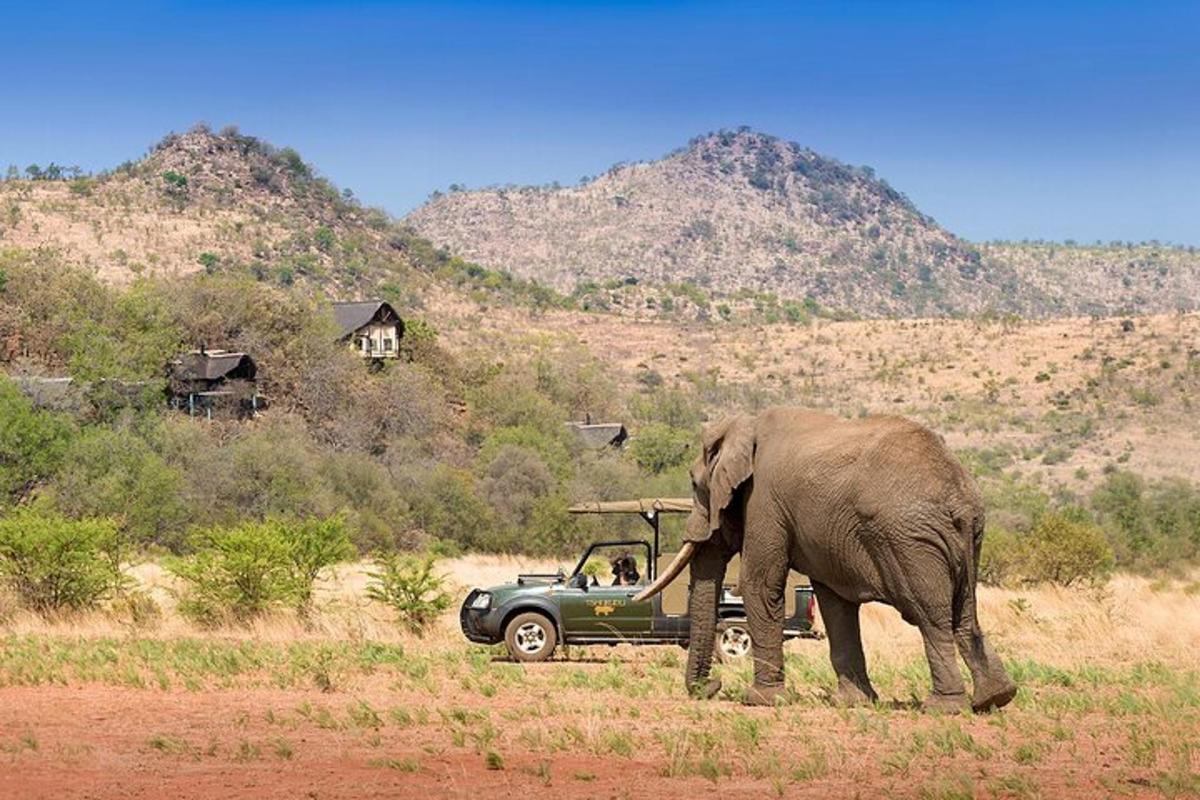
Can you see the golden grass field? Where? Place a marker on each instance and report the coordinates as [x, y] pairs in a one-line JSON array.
[[349, 706]]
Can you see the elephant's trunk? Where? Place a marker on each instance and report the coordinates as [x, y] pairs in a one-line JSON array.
[[707, 575], [669, 574]]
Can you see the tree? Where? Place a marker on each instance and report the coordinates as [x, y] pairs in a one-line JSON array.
[[32, 443], [658, 447], [116, 473]]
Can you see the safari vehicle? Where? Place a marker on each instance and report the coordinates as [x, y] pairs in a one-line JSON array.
[[594, 604]]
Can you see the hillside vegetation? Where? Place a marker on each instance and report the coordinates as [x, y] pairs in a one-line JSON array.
[[220, 239], [743, 213]]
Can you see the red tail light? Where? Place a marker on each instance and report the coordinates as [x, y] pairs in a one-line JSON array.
[[810, 611]]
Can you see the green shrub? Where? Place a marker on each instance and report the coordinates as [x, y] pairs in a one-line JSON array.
[[1152, 525], [53, 563], [409, 585], [447, 505], [1063, 548], [1000, 557], [1065, 551], [174, 179], [242, 572], [316, 545], [514, 480]]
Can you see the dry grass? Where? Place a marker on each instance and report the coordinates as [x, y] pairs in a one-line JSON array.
[[1131, 618]]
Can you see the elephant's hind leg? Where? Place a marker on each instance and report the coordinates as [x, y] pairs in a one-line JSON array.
[[845, 646], [992, 687], [929, 607]]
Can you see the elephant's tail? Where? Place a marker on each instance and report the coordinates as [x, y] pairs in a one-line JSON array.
[[970, 529]]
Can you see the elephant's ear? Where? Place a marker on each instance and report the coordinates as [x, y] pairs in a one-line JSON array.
[[729, 454]]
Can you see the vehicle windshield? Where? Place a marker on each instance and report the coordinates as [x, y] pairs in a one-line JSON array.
[[617, 565]]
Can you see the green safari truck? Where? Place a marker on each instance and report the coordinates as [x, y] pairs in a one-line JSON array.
[[593, 605]]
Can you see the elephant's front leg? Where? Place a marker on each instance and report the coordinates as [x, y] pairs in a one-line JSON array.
[[765, 567]]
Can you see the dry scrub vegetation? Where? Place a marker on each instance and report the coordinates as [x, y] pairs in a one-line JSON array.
[[346, 704], [1058, 401]]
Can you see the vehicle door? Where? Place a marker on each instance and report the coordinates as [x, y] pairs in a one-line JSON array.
[[605, 608]]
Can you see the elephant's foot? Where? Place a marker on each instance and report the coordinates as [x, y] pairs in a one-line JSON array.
[[945, 703], [993, 694], [767, 694], [706, 690], [850, 694]]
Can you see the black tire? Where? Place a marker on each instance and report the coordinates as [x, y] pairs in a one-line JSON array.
[[530, 637], [732, 640]]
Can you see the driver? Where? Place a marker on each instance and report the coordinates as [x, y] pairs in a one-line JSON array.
[[624, 570]]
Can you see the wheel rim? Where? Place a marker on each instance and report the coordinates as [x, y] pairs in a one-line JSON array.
[[530, 638], [735, 641]]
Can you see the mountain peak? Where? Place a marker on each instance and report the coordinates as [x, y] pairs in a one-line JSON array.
[[734, 210], [229, 160]]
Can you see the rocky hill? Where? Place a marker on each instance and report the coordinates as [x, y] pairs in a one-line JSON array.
[[746, 212], [738, 226], [209, 202]]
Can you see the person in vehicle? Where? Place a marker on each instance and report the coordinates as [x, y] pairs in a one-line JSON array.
[[625, 571]]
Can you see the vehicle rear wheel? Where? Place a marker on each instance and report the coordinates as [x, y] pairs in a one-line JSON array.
[[733, 640], [530, 637]]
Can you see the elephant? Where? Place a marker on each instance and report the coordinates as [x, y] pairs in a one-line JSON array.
[[870, 509]]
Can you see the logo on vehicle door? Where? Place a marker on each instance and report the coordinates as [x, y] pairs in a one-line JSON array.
[[602, 608]]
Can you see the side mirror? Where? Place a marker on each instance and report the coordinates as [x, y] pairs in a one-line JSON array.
[[578, 581]]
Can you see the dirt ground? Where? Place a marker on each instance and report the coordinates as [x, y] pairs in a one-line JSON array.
[[97, 742], [348, 707], [600, 724]]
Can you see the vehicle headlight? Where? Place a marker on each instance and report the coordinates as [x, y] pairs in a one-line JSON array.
[[482, 601]]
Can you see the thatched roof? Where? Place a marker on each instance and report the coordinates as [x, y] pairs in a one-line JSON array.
[[597, 435], [213, 365], [351, 317]]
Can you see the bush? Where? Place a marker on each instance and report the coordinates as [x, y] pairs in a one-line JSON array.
[[1152, 526], [1063, 548], [409, 585], [53, 563], [660, 447], [513, 482], [1000, 557], [316, 545], [245, 571]]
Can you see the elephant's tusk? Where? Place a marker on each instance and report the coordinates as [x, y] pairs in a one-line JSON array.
[[670, 574]]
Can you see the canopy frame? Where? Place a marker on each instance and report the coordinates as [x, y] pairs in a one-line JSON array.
[[648, 508]]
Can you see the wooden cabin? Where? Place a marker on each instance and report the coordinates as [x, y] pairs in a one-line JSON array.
[[214, 383], [372, 327]]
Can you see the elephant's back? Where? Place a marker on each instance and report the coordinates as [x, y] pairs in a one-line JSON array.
[[870, 457]]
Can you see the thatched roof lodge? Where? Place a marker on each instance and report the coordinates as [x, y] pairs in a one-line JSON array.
[[372, 326], [214, 383], [598, 435]]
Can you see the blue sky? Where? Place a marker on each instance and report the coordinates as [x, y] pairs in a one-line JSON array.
[[1000, 119]]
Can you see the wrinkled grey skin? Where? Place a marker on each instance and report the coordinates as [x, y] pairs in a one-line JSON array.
[[873, 509]]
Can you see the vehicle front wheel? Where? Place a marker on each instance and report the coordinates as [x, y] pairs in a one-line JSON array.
[[530, 637], [733, 640]]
